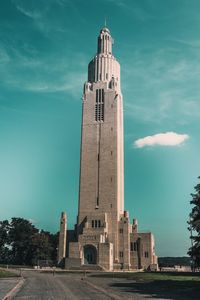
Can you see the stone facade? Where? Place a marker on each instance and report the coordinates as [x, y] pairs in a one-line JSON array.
[[103, 235]]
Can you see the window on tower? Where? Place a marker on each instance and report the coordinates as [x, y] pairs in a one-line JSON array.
[[96, 223], [135, 246], [131, 246], [99, 106]]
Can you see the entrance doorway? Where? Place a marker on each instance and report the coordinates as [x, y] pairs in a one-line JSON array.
[[90, 255]]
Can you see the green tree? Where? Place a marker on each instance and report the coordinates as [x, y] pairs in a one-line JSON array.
[[20, 236], [43, 246], [4, 247], [22, 243], [194, 227]]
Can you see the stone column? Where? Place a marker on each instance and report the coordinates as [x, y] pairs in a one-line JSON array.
[[62, 238]]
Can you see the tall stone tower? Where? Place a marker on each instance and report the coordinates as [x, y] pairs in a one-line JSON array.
[[102, 157], [103, 234]]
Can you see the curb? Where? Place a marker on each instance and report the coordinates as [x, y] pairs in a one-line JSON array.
[[14, 290], [102, 290]]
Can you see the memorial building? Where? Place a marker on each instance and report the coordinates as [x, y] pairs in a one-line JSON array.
[[103, 236]]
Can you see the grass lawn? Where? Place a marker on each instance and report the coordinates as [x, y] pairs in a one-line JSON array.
[[176, 286], [6, 274], [145, 276]]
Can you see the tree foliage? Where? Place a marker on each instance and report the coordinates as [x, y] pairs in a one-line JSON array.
[[194, 227], [22, 243]]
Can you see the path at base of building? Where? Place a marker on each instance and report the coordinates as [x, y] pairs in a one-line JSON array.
[[43, 286]]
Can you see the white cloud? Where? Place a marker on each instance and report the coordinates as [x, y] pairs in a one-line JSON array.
[[161, 139], [28, 13]]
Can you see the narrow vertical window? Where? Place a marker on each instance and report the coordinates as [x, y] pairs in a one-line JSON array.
[[102, 112], [121, 254], [99, 95], [135, 246], [102, 95], [131, 246], [96, 105], [99, 106], [97, 91]]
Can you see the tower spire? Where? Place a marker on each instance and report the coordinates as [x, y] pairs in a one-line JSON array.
[[104, 42], [105, 22]]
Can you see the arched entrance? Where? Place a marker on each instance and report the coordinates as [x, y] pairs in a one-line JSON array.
[[90, 255]]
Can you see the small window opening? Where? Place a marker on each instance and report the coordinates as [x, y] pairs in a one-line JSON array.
[[121, 254], [131, 246], [135, 246]]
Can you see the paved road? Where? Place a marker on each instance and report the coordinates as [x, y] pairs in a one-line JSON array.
[[6, 285], [45, 286], [42, 286]]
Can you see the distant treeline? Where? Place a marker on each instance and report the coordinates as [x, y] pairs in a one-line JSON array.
[[174, 261], [21, 243]]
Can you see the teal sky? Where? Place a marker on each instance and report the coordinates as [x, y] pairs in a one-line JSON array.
[[45, 46]]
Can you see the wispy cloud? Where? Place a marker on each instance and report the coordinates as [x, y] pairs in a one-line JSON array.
[[24, 69], [133, 8], [120, 3], [161, 84], [161, 139], [70, 83], [33, 14], [38, 12], [4, 57]]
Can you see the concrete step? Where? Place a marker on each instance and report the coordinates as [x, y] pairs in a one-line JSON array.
[[88, 268]]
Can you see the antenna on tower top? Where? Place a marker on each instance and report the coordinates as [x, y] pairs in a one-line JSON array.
[[105, 22]]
